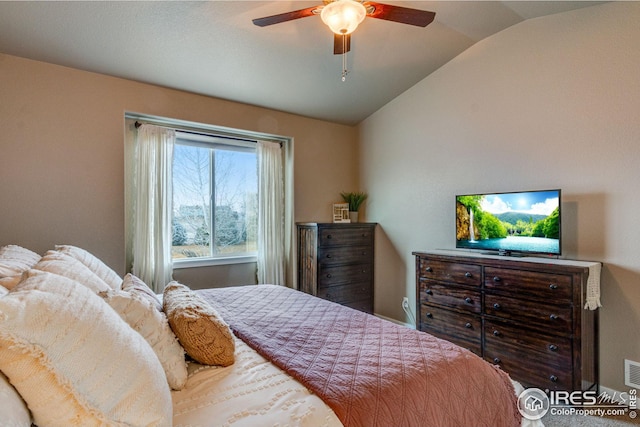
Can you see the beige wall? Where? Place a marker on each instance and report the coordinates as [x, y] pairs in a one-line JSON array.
[[62, 158], [551, 102]]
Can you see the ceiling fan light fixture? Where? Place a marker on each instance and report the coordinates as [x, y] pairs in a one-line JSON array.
[[343, 16]]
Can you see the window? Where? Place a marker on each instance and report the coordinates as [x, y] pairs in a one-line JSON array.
[[215, 198], [194, 199]]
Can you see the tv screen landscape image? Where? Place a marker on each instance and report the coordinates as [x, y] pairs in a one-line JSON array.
[[510, 223]]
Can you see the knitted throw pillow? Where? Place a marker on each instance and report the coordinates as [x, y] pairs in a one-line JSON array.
[[200, 329]]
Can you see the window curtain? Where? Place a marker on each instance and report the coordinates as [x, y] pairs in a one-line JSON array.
[[152, 206], [271, 214]]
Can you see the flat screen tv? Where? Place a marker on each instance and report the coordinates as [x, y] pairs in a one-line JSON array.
[[513, 223]]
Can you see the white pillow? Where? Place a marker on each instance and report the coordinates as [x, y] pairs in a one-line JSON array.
[[94, 264], [74, 361], [153, 325], [15, 259], [133, 284], [13, 410], [65, 265]]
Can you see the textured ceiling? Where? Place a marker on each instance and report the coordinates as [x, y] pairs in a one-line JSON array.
[[212, 48]]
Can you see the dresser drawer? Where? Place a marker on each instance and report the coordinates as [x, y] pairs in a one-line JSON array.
[[504, 339], [458, 297], [531, 373], [461, 329], [335, 275], [465, 274], [345, 254], [535, 360], [543, 316], [343, 236], [346, 293], [546, 286]]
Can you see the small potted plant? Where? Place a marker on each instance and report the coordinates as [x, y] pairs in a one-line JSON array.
[[355, 200]]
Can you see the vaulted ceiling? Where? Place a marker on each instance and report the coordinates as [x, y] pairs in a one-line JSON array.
[[213, 48]]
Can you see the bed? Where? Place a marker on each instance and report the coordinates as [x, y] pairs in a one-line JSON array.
[[297, 360]]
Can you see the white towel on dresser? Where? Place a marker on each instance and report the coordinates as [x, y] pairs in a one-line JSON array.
[[593, 287]]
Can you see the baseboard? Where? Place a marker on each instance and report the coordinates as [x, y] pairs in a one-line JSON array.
[[407, 325]]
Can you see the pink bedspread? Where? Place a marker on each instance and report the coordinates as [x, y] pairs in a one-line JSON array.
[[371, 372]]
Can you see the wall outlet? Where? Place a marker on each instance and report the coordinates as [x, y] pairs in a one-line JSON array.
[[405, 303]]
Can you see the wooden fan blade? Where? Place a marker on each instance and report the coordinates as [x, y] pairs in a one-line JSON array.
[[284, 17], [404, 15], [341, 43]]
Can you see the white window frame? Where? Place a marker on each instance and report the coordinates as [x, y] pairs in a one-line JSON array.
[[211, 141], [219, 131]]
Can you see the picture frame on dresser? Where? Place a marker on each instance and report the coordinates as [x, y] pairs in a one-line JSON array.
[[341, 213]]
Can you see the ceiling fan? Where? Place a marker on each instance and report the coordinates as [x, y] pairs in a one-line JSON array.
[[344, 16]]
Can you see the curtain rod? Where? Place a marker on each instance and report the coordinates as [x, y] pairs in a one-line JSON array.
[[137, 124]]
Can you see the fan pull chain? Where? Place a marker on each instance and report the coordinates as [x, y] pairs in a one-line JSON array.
[[344, 58], [344, 67]]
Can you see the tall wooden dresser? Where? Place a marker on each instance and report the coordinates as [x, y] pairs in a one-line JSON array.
[[526, 315], [335, 262]]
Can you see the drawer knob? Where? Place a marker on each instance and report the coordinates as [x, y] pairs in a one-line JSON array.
[[553, 378], [496, 360], [328, 255], [430, 316], [429, 292], [496, 306], [428, 269], [468, 275], [329, 236], [553, 286], [496, 333], [468, 300], [329, 276], [553, 347], [467, 325], [496, 278], [553, 317]]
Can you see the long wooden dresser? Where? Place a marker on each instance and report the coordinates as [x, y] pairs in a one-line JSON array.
[[526, 315], [335, 262]]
